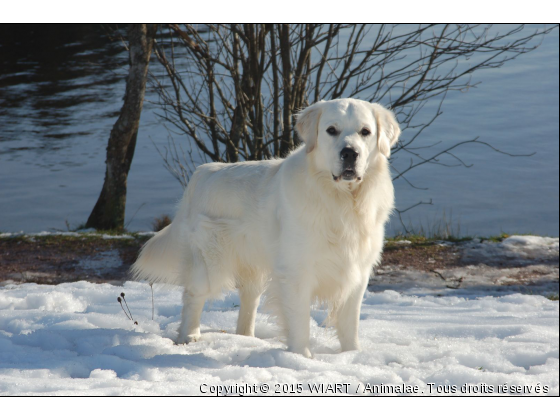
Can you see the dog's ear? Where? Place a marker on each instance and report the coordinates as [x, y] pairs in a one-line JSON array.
[[388, 130], [307, 125]]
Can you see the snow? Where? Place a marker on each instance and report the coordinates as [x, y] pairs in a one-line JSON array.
[[470, 280], [483, 327], [518, 249], [102, 262], [74, 339], [525, 264], [79, 233]]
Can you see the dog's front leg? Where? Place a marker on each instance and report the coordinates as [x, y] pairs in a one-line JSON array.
[[295, 302], [348, 318]]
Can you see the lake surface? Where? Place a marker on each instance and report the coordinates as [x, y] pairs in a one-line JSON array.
[[61, 89]]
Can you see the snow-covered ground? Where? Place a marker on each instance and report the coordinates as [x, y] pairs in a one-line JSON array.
[[74, 339], [522, 264], [428, 338]]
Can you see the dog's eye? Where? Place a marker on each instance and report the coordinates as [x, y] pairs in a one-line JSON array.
[[331, 130], [365, 132]]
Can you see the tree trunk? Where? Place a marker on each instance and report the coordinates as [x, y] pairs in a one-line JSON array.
[[109, 210], [287, 143]]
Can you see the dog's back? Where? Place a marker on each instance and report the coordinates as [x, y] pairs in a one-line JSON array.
[[214, 226]]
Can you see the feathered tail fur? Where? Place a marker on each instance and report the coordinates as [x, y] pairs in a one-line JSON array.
[[160, 259]]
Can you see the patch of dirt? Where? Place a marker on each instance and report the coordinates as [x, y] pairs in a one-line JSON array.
[[56, 259], [423, 256], [59, 259]]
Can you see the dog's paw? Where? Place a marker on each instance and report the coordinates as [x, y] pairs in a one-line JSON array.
[[305, 352], [350, 347], [192, 338]]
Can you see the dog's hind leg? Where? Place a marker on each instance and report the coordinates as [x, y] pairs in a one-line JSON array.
[[249, 295], [189, 330], [196, 292]]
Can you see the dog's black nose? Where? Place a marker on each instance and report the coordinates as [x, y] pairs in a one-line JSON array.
[[348, 155]]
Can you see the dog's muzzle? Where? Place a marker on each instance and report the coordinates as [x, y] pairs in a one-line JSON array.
[[348, 156]]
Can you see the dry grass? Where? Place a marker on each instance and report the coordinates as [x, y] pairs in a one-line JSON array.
[[160, 222]]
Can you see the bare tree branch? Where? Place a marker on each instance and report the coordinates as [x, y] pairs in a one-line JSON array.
[[230, 91]]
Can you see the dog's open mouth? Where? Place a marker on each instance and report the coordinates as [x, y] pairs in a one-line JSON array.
[[346, 175]]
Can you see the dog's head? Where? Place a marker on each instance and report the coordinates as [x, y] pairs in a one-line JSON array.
[[347, 135]]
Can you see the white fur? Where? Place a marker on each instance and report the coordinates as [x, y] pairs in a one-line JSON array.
[[287, 226]]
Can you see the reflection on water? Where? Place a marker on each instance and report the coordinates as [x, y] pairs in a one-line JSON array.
[[61, 89], [50, 75]]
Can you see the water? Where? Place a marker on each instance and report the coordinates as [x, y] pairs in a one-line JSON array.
[[61, 89]]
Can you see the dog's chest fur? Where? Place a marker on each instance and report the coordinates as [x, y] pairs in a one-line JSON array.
[[340, 230]]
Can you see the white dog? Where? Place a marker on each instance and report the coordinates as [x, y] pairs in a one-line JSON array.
[[307, 227]]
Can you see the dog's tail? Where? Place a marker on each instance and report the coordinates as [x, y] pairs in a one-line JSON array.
[[160, 259]]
